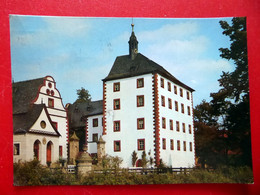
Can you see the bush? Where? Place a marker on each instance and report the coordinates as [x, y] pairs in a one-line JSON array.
[[33, 173], [232, 175]]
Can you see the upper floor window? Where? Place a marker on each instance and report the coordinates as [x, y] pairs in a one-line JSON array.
[[188, 95], [16, 149], [171, 124], [184, 145], [117, 146], [177, 126], [95, 122], [163, 100], [116, 126], [191, 146], [189, 129], [170, 103], [188, 108], [175, 89], [176, 106], [140, 83], [43, 124], [183, 127], [50, 102], [163, 143], [116, 104], [116, 87], [140, 123], [171, 144], [163, 122], [141, 144], [178, 145], [182, 108], [95, 137], [181, 92], [169, 86], [140, 100], [162, 82]]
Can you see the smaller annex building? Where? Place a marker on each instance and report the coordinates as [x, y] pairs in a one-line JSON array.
[[40, 128], [86, 120]]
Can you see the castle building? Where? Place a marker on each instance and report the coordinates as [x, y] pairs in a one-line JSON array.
[[86, 120], [145, 108], [40, 127]]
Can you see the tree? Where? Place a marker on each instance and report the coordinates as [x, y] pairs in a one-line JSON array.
[[209, 143], [144, 159], [231, 102], [83, 95], [134, 158]]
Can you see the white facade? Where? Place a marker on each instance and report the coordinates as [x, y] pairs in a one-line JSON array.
[[174, 157], [50, 96], [44, 135], [94, 130], [128, 114]]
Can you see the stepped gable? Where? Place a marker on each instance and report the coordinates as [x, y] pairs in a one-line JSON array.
[[24, 93], [125, 67]]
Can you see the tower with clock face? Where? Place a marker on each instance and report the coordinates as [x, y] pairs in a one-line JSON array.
[[133, 44]]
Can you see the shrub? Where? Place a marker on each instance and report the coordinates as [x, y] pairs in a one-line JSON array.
[[33, 173]]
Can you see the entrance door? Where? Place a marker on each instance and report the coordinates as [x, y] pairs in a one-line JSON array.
[[139, 163], [49, 146]]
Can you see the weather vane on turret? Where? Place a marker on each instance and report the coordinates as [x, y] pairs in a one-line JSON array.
[[132, 25]]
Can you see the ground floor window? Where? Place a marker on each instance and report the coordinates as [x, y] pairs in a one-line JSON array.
[[60, 151], [95, 137], [117, 146], [16, 149]]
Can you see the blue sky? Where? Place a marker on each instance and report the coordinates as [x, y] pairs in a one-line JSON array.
[[79, 52]]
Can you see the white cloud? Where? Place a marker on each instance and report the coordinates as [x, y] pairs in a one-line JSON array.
[[55, 27], [169, 31], [68, 26]]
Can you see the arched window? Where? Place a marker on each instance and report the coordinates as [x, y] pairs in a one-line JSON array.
[[36, 150]]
